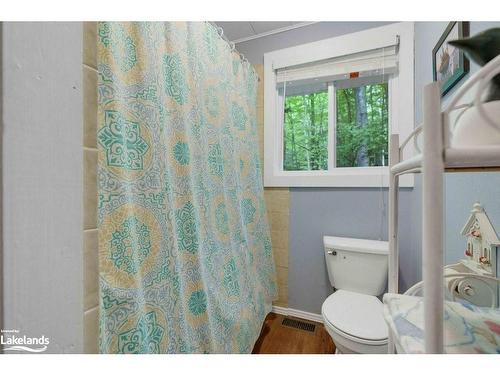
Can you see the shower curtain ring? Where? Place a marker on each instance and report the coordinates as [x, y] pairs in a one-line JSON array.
[[232, 45]]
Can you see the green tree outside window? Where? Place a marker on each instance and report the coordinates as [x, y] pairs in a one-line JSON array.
[[361, 128]]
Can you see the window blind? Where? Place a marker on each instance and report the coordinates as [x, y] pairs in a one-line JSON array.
[[381, 61]]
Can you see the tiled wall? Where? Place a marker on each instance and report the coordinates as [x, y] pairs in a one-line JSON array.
[[277, 201], [90, 305]]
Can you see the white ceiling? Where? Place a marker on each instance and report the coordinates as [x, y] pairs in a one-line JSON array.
[[235, 30]]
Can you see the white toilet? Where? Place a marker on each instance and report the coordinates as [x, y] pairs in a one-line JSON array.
[[353, 314]]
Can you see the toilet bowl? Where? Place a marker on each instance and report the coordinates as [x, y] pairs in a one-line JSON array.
[[353, 315], [355, 322]]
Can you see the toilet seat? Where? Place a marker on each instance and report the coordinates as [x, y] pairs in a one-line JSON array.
[[357, 317]]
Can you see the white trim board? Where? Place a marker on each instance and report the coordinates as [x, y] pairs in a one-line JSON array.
[[297, 313]]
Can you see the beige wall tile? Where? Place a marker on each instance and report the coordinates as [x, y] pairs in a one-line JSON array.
[[277, 204], [89, 107], [91, 331], [91, 272], [277, 208], [260, 133], [89, 189], [260, 97], [89, 44], [91, 269], [277, 192], [280, 256], [259, 68], [279, 221], [282, 275], [279, 239], [282, 296], [260, 116]]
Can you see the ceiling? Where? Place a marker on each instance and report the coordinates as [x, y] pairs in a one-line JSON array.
[[235, 31]]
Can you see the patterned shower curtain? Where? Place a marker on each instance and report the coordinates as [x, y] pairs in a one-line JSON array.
[[185, 256]]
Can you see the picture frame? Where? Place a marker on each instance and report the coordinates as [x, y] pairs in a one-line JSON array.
[[449, 64]]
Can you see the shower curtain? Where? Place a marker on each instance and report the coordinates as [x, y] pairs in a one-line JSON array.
[[185, 258]]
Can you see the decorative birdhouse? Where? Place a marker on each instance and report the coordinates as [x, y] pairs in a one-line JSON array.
[[482, 242]]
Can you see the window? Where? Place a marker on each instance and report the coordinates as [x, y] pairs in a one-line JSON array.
[[331, 106], [360, 125]]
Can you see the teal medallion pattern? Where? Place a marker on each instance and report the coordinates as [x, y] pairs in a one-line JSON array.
[[185, 257], [222, 219], [198, 302], [187, 233], [247, 210], [231, 278], [122, 46], [239, 117], [130, 245], [175, 81], [144, 338], [243, 338], [181, 153], [122, 141], [216, 160], [211, 40], [212, 102]]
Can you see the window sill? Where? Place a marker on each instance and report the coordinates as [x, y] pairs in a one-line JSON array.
[[371, 177]]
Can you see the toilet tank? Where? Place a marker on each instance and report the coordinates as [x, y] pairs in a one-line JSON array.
[[357, 265]]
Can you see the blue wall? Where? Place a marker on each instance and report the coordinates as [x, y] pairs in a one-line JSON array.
[[315, 212]]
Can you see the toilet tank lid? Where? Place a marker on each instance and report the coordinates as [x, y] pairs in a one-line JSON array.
[[356, 244]]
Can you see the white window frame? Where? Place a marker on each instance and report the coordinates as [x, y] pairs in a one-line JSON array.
[[401, 107]]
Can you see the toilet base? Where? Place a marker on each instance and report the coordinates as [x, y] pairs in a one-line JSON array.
[[344, 345], [339, 349]]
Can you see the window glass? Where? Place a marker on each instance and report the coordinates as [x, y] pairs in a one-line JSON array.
[[305, 128], [362, 126]]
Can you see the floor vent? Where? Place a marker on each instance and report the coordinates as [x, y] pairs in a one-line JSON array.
[[298, 324]]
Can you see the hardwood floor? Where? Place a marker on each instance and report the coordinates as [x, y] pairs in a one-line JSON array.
[[276, 338]]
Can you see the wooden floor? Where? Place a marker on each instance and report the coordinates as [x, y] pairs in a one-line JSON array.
[[276, 338]]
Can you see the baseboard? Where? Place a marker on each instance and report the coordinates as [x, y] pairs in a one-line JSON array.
[[298, 313]]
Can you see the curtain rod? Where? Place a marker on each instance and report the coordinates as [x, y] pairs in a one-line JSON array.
[[232, 46]]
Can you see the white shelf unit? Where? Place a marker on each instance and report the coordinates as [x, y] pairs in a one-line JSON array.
[[436, 158]]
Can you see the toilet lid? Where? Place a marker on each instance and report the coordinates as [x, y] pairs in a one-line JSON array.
[[356, 314]]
